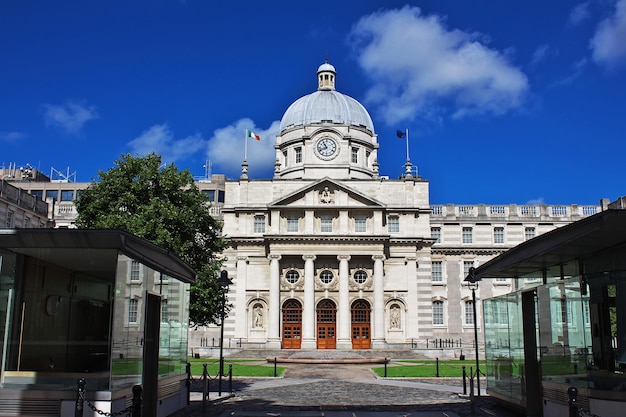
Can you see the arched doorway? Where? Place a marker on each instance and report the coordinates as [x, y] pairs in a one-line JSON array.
[[361, 335], [292, 324], [326, 323]]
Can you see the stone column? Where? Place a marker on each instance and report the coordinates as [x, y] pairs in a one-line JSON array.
[[411, 326], [344, 338], [274, 341], [308, 310], [378, 341], [241, 330]]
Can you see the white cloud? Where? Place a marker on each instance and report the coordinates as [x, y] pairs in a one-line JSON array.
[[69, 117], [536, 202], [227, 147], [423, 69], [579, 14], [12, 136], [159, 139], [540, 54], [608, 44]]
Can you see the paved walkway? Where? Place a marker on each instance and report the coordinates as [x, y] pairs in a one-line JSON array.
[[341, 390]]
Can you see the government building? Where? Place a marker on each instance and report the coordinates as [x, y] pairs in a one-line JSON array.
[[330, 253]]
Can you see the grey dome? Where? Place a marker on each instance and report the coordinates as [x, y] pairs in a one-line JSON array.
[[328, 107]]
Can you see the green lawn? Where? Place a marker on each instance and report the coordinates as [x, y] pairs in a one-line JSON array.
[[241, 367], [427, 368]]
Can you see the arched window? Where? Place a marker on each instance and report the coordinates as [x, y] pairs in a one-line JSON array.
[[438, 312]]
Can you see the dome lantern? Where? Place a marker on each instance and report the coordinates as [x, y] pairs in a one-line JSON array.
[[326, 77]]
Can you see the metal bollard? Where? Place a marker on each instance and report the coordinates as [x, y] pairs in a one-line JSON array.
[[80, 398], [188, 383], [137, 390], [385, 367], [437, 366], [230, 378], [205, 385], [572, 393], [472, 406], [464, 381], [275, 370]]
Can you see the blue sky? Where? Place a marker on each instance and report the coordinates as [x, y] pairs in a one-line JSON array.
[[506, 101]]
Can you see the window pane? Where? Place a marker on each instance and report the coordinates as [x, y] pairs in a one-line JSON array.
[[467, 235], [393, 224], [437, 271]]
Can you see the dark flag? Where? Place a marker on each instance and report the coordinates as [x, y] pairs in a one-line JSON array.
[[400, 134]]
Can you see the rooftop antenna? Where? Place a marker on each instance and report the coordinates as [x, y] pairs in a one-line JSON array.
[[208, 169], [58, 176]]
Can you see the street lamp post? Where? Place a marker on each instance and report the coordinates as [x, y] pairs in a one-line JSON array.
[[472, 283], [223, 282]]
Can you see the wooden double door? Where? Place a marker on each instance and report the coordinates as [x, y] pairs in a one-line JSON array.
[[326, 328], [326, 325], [292, 325], [361, 325]]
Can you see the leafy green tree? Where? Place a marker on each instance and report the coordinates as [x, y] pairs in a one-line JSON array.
[[162, 205]]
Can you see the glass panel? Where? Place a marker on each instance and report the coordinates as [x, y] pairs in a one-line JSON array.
[[504, 348], [59, 325], [127, 350]]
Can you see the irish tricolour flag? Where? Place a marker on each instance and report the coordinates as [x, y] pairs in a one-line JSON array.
[[251, 134]]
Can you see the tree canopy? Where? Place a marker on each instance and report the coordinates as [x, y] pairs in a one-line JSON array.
[[163, 205]]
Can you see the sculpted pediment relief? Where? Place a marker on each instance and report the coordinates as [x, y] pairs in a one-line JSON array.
[[326, 192]]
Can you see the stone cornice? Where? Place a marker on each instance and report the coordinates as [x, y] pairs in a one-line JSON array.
[[464, 250]]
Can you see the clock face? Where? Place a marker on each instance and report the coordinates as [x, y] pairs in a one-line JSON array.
[[326, 147]]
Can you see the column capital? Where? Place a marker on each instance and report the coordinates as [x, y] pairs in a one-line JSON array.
[[380, 257], [410, 259], [344, 257], [274, 257], [242, 258], [309, 257]]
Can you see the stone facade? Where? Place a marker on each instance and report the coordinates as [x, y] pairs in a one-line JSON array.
[[329, 254]]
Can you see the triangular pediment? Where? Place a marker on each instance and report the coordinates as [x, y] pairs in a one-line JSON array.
[[326, 192]]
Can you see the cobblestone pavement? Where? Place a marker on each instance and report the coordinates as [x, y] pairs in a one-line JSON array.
[[343, 390]]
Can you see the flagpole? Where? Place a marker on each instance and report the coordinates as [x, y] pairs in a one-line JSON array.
[[407, 144], [245, 147]]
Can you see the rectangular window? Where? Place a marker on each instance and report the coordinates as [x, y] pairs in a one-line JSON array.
[[9, 222], [393, 224], [259, 224], [292, 223], [437, 271], [435, 233], [53, 194], [285, 158], [360, 224], [326, 224], [498, 235], [298, 155], [37, 193], [220, 196], [438, 313], [134, 271], [529, 233], [469, 312], [468, 235], [466, 266], [164, 313], [210, 194], [355, 155], [132, 310], [67, 195]]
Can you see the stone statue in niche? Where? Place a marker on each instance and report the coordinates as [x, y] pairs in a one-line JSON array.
[[327, 196], [258, 317], [395, 317]]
